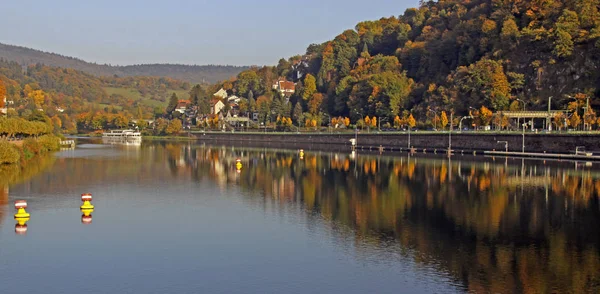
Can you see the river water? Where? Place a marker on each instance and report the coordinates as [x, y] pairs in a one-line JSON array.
[[183, 218]]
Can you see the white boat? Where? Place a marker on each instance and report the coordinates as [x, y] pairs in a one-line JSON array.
[[123, 137]]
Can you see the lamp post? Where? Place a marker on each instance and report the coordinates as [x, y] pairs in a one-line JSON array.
[[523, 146], [328, 122], [434, 117], [450, 134], [460, 122], [379, 121], [518, 118]]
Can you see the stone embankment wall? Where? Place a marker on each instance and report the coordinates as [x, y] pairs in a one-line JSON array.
[[551, 143]]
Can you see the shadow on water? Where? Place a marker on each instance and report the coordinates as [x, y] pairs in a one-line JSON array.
[[493, 225]]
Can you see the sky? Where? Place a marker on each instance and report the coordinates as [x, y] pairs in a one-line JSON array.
[[234, 32]]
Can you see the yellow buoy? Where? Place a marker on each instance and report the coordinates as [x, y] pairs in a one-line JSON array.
[[87, 212], [238, 164], [20, 205]]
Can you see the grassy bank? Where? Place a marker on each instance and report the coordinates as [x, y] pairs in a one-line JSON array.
[[11, 153]]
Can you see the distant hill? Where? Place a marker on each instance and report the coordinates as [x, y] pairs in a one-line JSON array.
[[190, 73]]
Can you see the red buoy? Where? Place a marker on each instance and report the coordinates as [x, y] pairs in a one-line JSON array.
[[86, 197], [20, 204]]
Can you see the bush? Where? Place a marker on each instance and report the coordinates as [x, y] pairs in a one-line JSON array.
[[31, 147], [8, 153], [49, 142]]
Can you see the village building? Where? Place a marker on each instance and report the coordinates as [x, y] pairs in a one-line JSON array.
[[233, 99], [182, 106], [284, 87], [3, 106], [222, 94], [216, 106]]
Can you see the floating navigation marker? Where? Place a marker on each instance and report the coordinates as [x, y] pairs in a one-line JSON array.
[[238, 165], [301, 153], [22, 217], [20, 206], [86, 198]]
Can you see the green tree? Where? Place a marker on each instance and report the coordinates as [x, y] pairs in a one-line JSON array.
[[297, 115], [172, 103]]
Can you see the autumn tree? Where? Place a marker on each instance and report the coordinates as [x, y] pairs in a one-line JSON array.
[[2, 93], [173, 127], [310, 87], [485, 116], [558, 120], [314, 104], [411, 121], [574, 121], [443, 120]]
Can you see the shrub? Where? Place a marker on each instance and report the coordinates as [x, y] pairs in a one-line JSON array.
[[49, 142], [31, 147], [8, 153]]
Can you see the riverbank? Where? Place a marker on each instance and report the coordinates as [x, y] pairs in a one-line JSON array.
[[15, 152], [459, 142]]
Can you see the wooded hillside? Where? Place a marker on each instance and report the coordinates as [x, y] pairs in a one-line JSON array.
[[449, 55], [190, 73]]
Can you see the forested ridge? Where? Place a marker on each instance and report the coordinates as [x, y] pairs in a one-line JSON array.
[[190, 73], [446, 55], [78, 101]]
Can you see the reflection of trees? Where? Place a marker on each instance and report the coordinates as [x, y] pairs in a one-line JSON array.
[[14, 174], [496, 228], [493, 227]]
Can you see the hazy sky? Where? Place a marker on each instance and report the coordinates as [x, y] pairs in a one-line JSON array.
[[238, 32]]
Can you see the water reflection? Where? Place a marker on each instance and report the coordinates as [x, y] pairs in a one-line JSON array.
[[492, 224]]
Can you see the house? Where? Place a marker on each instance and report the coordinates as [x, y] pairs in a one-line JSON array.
[[301, 66], [284, 87], [233, 99], [182, 106], [60, 109], [216, 106], [3, 106], [222, 94]]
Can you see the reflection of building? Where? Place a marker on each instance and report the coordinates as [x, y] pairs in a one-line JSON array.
[[4, 195], [3, 201]]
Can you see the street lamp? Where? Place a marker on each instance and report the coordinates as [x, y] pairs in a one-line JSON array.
[[434, 117], [460, 122], [518, 118], [523, 146]]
